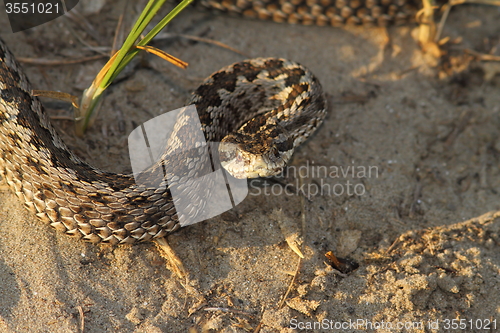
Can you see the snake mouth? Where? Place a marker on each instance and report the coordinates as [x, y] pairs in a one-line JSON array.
[[241, 170]]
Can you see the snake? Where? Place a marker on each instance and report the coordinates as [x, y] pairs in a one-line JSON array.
[[259, 110]]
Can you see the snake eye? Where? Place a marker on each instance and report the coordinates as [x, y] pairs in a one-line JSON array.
[[274, 155], [284, 145]]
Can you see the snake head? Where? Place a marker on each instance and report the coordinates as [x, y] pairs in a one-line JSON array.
[[263, 153]]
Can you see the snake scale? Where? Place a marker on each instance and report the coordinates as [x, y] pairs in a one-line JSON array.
[[322, 12], [275, 102]]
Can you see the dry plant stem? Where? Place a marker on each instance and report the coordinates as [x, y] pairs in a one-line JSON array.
[[427, 27], [228, 310], [52, 62], [82, 318], [289, 230], [442, 22], [80, 20], [91, 47], [283, 299], [479, 2], [118, 34], [175, 262], [57, 95], [69, 118], [393, 245], [452, 3], [482, 56]]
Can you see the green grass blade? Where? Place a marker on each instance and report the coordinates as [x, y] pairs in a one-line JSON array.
[[92, 96]]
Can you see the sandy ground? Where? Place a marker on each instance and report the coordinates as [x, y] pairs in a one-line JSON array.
[[422, 225]]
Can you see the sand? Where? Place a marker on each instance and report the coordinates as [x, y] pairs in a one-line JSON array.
[[423, 224]]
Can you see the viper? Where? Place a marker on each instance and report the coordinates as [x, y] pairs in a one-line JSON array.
[[259, 110]]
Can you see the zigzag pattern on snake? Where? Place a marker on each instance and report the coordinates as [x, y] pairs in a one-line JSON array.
[[322, 12]]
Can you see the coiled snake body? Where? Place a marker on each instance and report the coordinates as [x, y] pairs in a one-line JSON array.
[[274, 101], [279, 98]]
